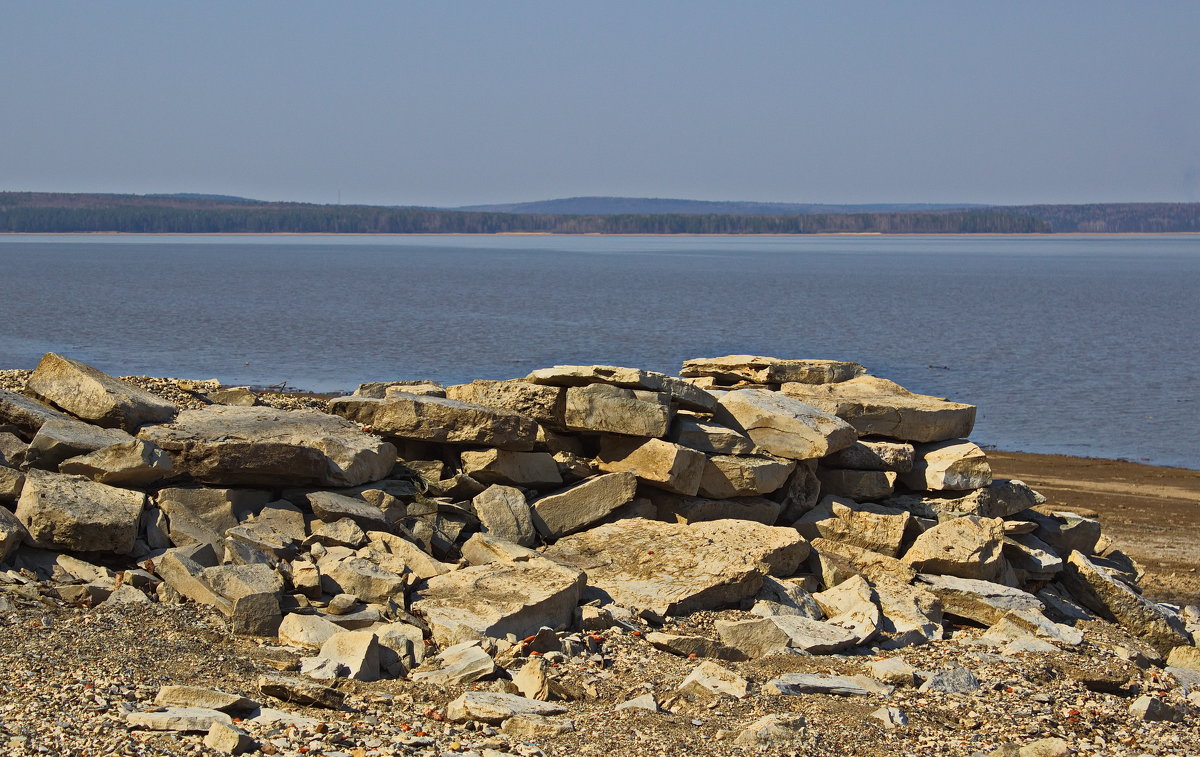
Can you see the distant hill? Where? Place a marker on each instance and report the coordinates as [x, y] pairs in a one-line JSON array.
[[604, 206], [194, 196], [36, 212], [1115, 218]]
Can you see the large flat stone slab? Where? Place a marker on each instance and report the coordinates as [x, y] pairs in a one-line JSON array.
[[878, 407], [59, 440], [267, 447], [24, 413], [72, 513], [94, 396], [438, 419], [674, 568], [967, 547], [499, 598], [681, 392], [784, 426], [616, 410], [578, 507], [656, 462], [544, 404], [757, 369]]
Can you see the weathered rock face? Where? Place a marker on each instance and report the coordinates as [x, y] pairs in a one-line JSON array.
[[24, 413], [780, 633], [543, 404], [673, 568], [498, 466], [727, 476], [874, 456], [654, 461], [981, 601], [872, 527], [499, 598], [503, 512], [59, 440], [570, 510], [732, 369], [95, 396], [133, 463], [1113, 600], [615, 410], [839, 561], [1000, 499], [11, 483], [72, 513], [784, 426], [437, 419], [861, 485], [696, 509], [967, 547], [876, 406], [267, 447], [12, 532], [706, 436], [681, 392], [956, 464]]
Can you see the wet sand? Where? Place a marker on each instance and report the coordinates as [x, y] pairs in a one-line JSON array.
[[1150, 513]]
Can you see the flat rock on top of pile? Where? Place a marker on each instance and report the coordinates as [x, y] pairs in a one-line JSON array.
[[72, 513], [686, 395], [770, 370], [876, 406], [264, 446], [437, 419], [783, 425], [95, 396], [673, 568]]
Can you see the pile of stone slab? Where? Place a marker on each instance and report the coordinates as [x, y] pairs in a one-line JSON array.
[[839, 509]]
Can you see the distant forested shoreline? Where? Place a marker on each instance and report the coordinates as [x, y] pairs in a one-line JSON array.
[[36, 212]]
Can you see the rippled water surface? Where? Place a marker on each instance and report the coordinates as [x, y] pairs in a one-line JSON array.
[[1078, 345]]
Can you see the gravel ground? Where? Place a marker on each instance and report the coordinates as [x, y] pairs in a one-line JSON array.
[[69, 675]]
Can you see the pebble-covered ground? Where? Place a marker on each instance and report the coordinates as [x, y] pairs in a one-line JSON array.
[[69, 676]]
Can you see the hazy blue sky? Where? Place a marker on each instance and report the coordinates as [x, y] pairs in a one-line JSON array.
[[443, 103]]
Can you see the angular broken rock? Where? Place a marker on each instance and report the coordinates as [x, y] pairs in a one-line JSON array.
[[461, 663], [732, 369], [362, 578], [299, 691], [953, 680], [707, 436], [227, 445], [852, 605], [26, 414], [781, 633], [683, 393], [784, 598], [693, 646], [859, 485], [61, 439], [1114, 601], [436, 419], [674, 568], [696, 509], [613, 410], [306, 630], [1000, 499], [330, 507], [194, 719], [12, 532], [980, 601], [570, 510], [229, 739], [839, 561], [497, 466], [876, 456], [198, 696], [11, 483], [1150, 708], [543, 404], [72, 513], [956, 464], [878, 407], [134, 463], [94, 396], [772, 731], [503, 512], [793, 684], [352, 654], [872, 527], [967, 547], [654, 461], [710, 678], [911, 614], [498, 599], [784, 426], [727, 476], [495, 708]]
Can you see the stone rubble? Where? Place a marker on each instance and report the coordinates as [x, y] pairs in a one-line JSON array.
[[731, 558]]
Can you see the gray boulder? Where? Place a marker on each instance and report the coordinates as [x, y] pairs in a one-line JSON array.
[[503, 512], [71, 513], [94, 396], [263, 446]]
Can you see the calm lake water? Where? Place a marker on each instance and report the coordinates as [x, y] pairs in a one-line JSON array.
[[1076, 345]]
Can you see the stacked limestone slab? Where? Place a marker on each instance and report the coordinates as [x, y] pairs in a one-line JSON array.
[[838, 508]]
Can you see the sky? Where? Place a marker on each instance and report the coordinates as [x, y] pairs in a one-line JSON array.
[[455, 103]]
